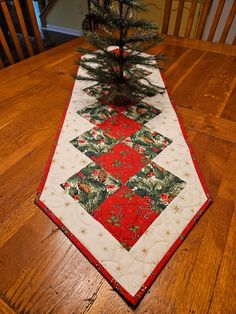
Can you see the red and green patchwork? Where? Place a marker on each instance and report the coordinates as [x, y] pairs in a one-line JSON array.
[[148, 142], [156, 185], [91, 186], [126, 216], [120, 126], [98, 90], [120, 109], [96, 113], [138, 72], [122, 162], [123, 191], [94, 142], [142, 112], [122, 150]]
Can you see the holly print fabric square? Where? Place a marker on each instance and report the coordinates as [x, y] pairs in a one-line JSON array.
[[97, 90], [147, 142], [96, 113], [156, 185], [101, 90], [91, 186], [139, 72], [142, 112], [94, 143]]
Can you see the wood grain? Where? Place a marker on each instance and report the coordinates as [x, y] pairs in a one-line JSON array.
[[40, 270], [230, 108], [4, 309], [210, 83], [201, 45], [225, 280]]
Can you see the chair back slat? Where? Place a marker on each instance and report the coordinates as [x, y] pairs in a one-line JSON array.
[[167, 10], [12, 30], [228, 23], [35, 25], [23, 27], [202, 21], [203, 18], [190, 19], [216, 20], [6, 48], [19, 19], [1, 64], [179, 17]]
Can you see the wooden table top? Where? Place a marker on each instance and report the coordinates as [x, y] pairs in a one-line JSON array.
[[40, 270]]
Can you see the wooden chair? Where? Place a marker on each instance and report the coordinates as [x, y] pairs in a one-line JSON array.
[[202, 19], [13, 55]]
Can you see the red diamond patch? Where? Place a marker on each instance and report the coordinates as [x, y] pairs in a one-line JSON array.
[[126, 216], [122, 162], [120, 126]]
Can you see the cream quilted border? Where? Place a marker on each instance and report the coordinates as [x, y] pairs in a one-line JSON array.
[[129, 268]]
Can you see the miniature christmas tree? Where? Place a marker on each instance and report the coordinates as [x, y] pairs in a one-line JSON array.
[[117, 68]]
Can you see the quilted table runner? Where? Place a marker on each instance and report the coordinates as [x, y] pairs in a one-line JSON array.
[[123, 185]]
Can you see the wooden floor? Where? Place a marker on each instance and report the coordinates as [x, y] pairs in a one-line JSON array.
[[40, 270]]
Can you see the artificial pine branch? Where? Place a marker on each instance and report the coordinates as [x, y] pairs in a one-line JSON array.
[[133, 37]]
